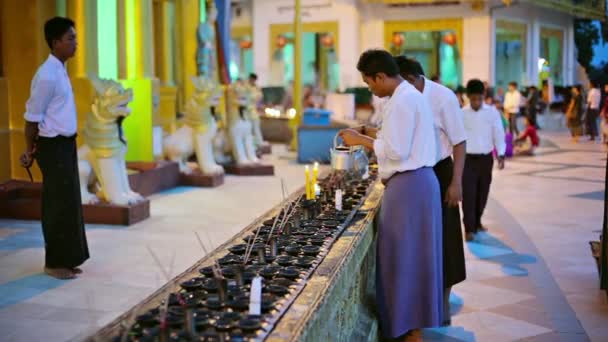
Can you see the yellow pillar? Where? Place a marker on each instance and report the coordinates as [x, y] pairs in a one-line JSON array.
[[297, 74], [85, 63], [136, 70], [22, 53], [186, 24]]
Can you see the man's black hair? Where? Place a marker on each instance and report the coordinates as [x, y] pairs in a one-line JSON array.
[[373, 62], [513, 83], [475, 86], [253, 76], [409, 66], [55, 28]]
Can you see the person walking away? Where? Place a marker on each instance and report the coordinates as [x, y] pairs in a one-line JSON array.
[[449, 127], [50, 137], [528, 140], [532, 104], [511, 107], [594, 98], [574, 112], [409, 242], [484, 133]]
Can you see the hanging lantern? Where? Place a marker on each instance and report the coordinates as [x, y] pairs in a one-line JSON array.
[[327, 40], [449, 39], [398, 39], [281, 41], [245, 44]]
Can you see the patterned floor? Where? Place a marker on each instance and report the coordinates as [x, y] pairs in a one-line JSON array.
[[530, 278]]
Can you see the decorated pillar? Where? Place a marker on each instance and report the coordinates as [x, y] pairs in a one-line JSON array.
[[22, 53], [164, 26]]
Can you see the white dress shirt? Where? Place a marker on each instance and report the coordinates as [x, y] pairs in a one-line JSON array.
[[51, 102], [406, 140], [594, 97], [512, 102], [448, 117], [484, 130]]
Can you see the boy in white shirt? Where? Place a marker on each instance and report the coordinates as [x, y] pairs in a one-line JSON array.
[[511, 107], [594, 97], [485, 132]]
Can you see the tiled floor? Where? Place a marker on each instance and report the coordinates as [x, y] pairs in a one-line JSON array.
[[530, 278]]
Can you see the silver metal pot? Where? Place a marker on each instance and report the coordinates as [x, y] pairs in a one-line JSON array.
[[351, 158]]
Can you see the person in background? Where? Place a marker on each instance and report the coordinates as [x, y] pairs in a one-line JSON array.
[[594, 99], [435, 78], [50, 137], [511, 107], [499, 98], [574, 113], [288, 97], [378, 105], [489, 100], [528, 139], [484, 133], [460, 95], [532, 104], [449, 124], [259, 103], [307, 97], [604, 116], [409, 273]]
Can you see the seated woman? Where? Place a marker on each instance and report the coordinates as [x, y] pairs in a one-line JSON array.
[[528, 139]]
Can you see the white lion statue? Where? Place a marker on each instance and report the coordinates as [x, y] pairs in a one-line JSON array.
[[239, 125], [102, 156], [253, 96], [199, 129]]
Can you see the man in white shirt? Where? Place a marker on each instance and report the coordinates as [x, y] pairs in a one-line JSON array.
[[409, 288], [511, 107], [484, 134], [50, 136], [449, 129], [594, 97]]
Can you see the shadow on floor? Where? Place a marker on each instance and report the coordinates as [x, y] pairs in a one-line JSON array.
[[27, 287], [489, 248]]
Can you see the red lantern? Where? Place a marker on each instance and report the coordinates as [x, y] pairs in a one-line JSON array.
[[327, 40], [245, 44], [281, 41], [449, 39], [398, 39]]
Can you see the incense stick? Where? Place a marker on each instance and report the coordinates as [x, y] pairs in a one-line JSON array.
[[200, 242]]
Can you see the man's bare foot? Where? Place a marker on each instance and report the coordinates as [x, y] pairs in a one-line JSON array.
[[76, 270], [60, 273]]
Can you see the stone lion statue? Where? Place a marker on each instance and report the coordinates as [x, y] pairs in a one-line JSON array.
[[253, 96], [239, 125], [102, 156], [199, 129]]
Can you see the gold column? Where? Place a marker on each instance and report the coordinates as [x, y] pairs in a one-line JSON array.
[[5, 143], [186, 24], [85, 63], [22, 53], [164, 23]]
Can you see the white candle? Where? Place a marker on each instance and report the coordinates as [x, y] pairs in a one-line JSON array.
[[338, 200], [255, 297]]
